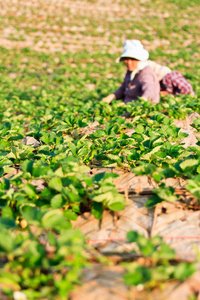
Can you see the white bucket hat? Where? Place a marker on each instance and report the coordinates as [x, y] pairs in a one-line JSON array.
[[134, 49]]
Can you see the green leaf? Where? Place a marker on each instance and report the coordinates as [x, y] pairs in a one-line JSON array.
[[116, 206], [30, 190], [6, 241], [167, 130], [7, 212], [149, 155], [156, 177], [52, 218], [164, 252], [103, 196], [9, 281], [132, 236], [16, 137], [97, 210], [56, 184], [113, 157], [99, 133], [97, 177], [138, 275], [69, 195], [145, 169], [152, 201], [55, 219], [7, 223], [46, 193], [69, 214], [52, 239], [189, 164], [45, 138], [57, 201], [27, 166], [166, 193], [5, 184], [1, 171], [139, 128], [184, 270], [32, 214]]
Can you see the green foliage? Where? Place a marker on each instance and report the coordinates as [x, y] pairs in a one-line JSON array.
[[193, 186], [107, 193], [163, 193], [54, 97], [158, 267], [42, 269]]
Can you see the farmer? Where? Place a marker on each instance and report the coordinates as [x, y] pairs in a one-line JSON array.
[[171, 82], [140, 80]]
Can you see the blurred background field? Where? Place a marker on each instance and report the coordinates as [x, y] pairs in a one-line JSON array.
[[46, 44]]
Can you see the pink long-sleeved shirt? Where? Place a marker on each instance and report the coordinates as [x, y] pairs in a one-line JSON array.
[[145, 84]]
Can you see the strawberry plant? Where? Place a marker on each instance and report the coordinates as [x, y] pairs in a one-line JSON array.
[[159, 263], [52, 92]]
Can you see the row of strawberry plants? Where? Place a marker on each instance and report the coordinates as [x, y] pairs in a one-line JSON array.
[[152, 149], [51, 184]]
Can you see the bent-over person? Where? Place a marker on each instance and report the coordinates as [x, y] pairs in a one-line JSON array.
[[140, 80], [171, 82]]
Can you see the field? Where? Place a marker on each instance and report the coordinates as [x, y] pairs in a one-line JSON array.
[[97, 200]]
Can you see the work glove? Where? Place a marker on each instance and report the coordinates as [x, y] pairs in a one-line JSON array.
[[109, 98]]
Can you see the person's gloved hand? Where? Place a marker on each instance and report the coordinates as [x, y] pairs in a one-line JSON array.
[[164, 93], [109, 98]]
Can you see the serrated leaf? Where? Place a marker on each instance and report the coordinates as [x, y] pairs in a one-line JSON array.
[[31, 213], [5, 184], [54, 219], [97, 210], [7, 223], [152, 201], [8, 283], [30, 190], [156, 177], [184, 270], [139, 128], [116, 206], [56, 184], [6, 241], [113, 157], [27, 166], [69, 214], [98, 133], [57, 201], [189, 164], [7, 212]]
